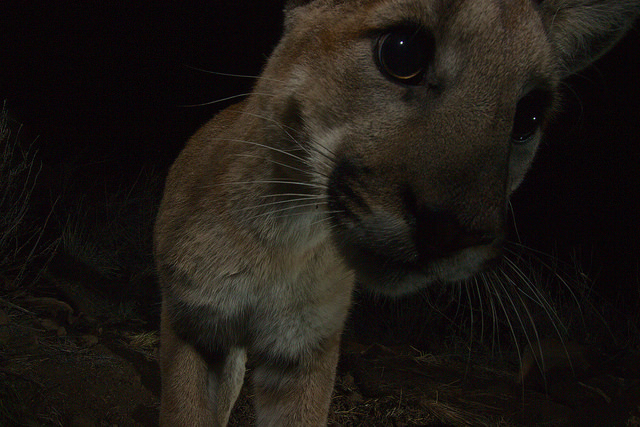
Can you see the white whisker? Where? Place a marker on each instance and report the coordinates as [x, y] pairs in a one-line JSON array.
[[529, 316], [477, 289], [281, 164], [320, 199], [289, 208], [550, 268], [494, 312], [307, 149], [303, 184], [242, 76], [321, 220], [292, 214], [286, 129], [269, 196], [257, 144], [536, 296], [513, 220], [506, 314], [551, 314], [228, 98]]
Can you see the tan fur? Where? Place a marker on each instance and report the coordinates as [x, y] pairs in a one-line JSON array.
[[332, 172]]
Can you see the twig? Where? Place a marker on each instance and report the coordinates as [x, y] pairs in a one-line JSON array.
[[17, 307]]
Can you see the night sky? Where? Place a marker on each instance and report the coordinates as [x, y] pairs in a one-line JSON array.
[[116, 75], [111, 81]]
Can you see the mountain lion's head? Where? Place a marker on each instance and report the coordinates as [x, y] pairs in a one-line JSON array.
[[417, 119]]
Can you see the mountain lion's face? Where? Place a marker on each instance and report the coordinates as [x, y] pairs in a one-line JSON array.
[[420, 123]]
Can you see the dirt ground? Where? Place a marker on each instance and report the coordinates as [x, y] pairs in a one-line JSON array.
[[59, 367]]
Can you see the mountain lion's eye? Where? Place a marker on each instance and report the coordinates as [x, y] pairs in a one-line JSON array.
[[404, 54], [530, 114]]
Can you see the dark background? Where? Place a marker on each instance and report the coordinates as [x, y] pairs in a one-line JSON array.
[[106, 86], [114, 76]]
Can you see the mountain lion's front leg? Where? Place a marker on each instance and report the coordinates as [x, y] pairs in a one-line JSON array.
[[296, 394], [185, 400], [197, 392]]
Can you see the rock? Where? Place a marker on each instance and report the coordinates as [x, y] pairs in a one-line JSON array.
[[49, 324], [355, 397], [51, 305], [90, 340]]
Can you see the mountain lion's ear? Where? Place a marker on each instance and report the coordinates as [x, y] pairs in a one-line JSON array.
[[583, 30]]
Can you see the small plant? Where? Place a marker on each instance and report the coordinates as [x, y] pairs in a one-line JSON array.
[[20, 239]]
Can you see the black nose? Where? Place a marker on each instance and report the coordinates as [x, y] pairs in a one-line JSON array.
[[439, 233]]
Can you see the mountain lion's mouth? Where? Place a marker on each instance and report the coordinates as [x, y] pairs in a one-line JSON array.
[[388, 275], [388, 256]]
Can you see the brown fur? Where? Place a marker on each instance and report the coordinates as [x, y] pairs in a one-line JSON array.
[[333, 172]]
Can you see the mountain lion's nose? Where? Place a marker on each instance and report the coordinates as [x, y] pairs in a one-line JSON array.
[[439, 233]]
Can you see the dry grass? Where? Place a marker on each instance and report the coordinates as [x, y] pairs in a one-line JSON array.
[[145, 343], [19, 238], [111, 233]]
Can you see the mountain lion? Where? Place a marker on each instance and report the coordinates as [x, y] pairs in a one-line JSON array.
[[380, 146]]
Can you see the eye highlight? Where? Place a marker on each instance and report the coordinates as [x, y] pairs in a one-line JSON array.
[[530, 114], [403, 54]]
